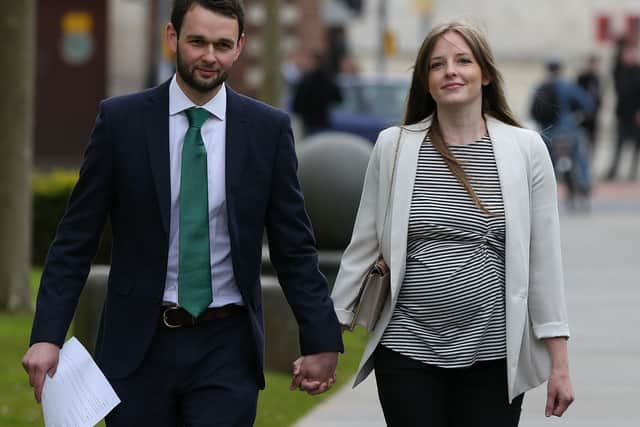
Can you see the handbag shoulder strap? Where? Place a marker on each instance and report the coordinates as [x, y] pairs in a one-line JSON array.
[[393, 175]]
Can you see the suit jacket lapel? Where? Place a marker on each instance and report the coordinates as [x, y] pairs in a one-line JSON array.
[[236, 140], [511, 164], [156, 124], [412, 137]]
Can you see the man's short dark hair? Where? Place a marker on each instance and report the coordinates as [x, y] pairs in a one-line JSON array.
[[230, 8]]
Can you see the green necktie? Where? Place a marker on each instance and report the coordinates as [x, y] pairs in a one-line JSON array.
[[194, 269]]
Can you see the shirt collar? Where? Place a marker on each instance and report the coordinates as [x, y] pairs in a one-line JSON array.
[[178, 101]]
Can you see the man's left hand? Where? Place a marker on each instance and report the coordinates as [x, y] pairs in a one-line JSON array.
[[314, 373]]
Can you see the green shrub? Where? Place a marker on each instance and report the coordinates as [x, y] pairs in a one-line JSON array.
[[51, 191]]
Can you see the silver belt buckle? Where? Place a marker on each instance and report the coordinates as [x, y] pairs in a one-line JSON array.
[[166, 321]]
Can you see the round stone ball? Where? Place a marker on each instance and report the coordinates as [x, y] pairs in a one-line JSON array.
[[332, 166]]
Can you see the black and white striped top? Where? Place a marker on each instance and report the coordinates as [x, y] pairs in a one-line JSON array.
[[451, 307]]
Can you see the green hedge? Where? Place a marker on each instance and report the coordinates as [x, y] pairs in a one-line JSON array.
[[51, 191]]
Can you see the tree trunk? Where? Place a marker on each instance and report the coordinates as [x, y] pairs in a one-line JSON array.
[[17, 51], [271, 55]]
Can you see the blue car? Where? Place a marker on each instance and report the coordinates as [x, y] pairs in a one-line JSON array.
[[369, 105]]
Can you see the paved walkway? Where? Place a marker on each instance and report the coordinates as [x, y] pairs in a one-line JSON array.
[[601, 253]]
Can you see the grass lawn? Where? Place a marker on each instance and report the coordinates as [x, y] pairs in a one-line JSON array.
[[277, 406], [17, 405]]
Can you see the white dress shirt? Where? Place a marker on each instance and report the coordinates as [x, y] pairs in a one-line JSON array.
[[224, 288]]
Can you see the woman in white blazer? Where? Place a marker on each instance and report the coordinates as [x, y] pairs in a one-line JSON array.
[[471, 323]]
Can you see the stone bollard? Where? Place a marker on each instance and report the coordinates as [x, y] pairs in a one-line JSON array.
[[280, 328], [331, 170], [89, 310], [332, 166]]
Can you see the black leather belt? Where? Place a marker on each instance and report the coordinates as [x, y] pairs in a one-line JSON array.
[[173, 316]]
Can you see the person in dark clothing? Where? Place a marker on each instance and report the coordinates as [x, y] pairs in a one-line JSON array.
[[562, 134], [626, 75], [314, 95], [589, 80]]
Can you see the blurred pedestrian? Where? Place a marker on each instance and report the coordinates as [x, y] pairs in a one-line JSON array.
[[349, 66], [562, 103], [476, 313], [314, 95], [589, 80], [626, 75], [292, 69]]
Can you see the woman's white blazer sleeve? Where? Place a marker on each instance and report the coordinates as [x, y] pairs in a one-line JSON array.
[[547, 308], [363, 249]]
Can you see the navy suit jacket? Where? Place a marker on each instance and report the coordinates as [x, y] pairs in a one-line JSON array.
[[125, 176]]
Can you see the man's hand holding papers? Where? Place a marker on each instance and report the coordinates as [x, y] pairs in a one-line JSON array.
[[40, 359]]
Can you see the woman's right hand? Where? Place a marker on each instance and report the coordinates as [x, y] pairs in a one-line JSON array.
[[382, 265]]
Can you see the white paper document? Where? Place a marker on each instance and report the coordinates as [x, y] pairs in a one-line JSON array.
[[78, 395]]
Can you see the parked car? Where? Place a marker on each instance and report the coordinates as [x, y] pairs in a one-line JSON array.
[[369, 105]]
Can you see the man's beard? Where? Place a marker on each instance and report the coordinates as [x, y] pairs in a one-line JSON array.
[[189, 77]]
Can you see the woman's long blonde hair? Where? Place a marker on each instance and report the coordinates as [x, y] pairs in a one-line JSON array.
[[420, 103]]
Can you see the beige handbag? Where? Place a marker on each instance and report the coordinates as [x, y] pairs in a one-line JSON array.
[[374, 291], [376, 285]]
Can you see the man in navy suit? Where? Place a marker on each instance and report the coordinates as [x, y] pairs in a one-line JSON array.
[[170, 363]]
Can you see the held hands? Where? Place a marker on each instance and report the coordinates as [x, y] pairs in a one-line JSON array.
[[559, 393], [40, 359], [314, 373]]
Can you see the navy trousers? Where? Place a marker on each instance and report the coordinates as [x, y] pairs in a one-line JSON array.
[[193, 377]]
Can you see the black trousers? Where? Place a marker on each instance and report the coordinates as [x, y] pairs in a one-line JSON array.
[[204, 376], [416, 394]]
